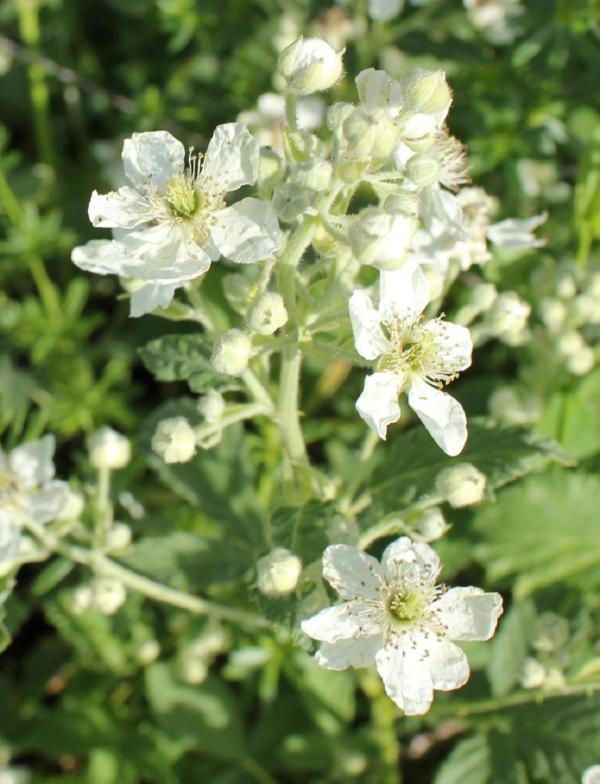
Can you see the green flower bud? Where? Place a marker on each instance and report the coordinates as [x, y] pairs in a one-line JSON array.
[[236, 288], [211, 406], [423, 170], [290, 201], [370, 134], [314, 175], [174, 440], [380, 238], [427, 92], [268, 313], [231, 353], [108, 594], [309, 65]]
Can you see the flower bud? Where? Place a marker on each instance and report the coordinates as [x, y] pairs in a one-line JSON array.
[[309, 65], [377, 89], [290, 201], [268, 313], [423, 170], [566, 288], [118, 538], [231, 353], [314, 175], [81, 599], [570, 342], [370, 134], [380, 238], [72, 508], [591, 775], [427, 92], [108, 449], [533, 674], [236, 288], [507, 318], [581, 362], [108, 594], [553, 313], [586, 310], [211, 406], [148, 651], [461, 485], [550, 632], [406, 202], [431, 525], [278, 572], [271, 169], [506, 405], [174, 440]]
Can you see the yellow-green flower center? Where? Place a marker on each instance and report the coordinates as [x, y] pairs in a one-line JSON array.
[[182, 197], [405, 606]]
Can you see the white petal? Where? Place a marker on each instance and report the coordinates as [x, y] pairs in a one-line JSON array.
[[447, 664], [452, 341], [369, 340], [469, 613], [10, 536], [247, 231], [231, 159], [403, 292], [124, 208], [401, 556], [405, 675], [152, 158], [50, 501], [32, 462], [442, 415], [378, 402], [376, 89], [515, 234], [351, 572], [150, 297], [359, 652], [340, 622]]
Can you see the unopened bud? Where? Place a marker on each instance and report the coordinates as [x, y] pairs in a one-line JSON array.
[[231, 353], [423, 170], [550, 632], [377, 89], [290, 201], [268, 313], [461, 485], [427, 92], [278, 572], [236, 288], [271, 168], [581, 362], [585, 307], [570, 342], [108, 594], [370, 134], [533, 674], [174, 440], [380, 238], [211, 406], [72, 508], [314, 175], [591, 775], [309, 65], [431, 525], [507, 318], [553, 313], [118, 538], [109, 449], [566, 288], [148, 651]]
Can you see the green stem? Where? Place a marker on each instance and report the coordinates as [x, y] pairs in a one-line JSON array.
[[104, 510], [384, 715], [103, 565], [29, 27], [257, 772], [291, 111], [289, 422]]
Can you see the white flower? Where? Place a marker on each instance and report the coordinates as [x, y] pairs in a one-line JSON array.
[[514, 234], [27, 486], [591, 775], [381, 238], [172, 221], [413, 354], [395, 616]]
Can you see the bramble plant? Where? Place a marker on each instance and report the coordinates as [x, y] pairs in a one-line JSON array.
[[317, 274]]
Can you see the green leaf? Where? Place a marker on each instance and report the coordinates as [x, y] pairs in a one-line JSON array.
[[573, 417], [542, 531], [467, 763], [188, 561], [185, 358], [51, 575], [329, 698], [303, 530], [219, 482], [204, 717], [406, 467], [509, 648]]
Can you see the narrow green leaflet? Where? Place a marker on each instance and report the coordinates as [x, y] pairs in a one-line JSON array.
[[406, 468], [468, 763], [185, 358], [542, 531], [573, 417]]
